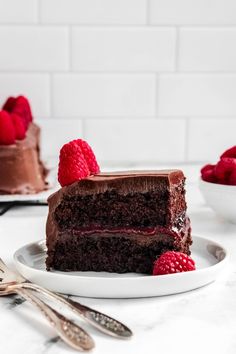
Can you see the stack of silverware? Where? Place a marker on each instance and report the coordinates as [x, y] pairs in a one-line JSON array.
[[70, 332]]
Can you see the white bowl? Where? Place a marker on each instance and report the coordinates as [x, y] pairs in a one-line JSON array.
[[221, 198]]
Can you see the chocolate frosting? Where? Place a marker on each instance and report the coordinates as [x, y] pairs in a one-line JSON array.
[[22, 171], [124, 182]]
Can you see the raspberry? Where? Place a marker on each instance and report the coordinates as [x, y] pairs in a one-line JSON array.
[[232, 178], [19, 126], [9, 104], [208, 173], [229, 153], [72, 164], [7, 130], [89, 156], [22, 108], [19, 105], [224, 169], [173, 262]]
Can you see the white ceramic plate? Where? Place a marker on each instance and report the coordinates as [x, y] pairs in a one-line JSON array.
[[38, 197], [210, 258]]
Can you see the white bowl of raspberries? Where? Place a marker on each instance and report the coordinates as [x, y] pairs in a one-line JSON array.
[[218, 185]]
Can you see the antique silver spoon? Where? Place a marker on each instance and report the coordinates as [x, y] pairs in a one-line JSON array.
[[69, 332], [99, 320]]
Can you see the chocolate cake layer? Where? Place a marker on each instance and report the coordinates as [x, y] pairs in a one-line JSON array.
[[124, 220], [22, 171], [119, 251], [113, 200]]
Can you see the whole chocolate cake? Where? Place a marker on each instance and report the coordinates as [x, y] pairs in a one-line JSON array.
[[21, 170], [117, 222]]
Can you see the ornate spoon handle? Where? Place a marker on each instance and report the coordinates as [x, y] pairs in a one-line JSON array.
[[99, 320], [72, 334]]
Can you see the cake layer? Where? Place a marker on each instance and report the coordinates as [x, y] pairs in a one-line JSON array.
[[116, 250], [143, 199], [22, 172], [117, 222]]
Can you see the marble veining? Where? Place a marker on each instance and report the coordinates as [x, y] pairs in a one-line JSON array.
[[49, 343], [12, 301], [16, 301]]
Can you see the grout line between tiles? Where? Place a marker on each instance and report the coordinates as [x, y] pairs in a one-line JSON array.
[[177, 48], [186, 150], [148, 12], [143, 117], [70, 48], [157, 95], [51, 104], [205, 26], [39, 12], [171, 72]]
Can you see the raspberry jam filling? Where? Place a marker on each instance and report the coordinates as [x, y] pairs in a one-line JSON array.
[[142, 231]]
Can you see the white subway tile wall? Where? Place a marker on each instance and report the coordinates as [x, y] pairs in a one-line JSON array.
[[103, 95], [192, 12], [23, 11], [144, 81], [123, 49], [197, 95], [56, 136], [207, 49], [33, 48], [94, 12], [34, 86], [210, 136], [137, 140]]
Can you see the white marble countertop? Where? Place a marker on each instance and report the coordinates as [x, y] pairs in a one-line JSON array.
[[200, 321]]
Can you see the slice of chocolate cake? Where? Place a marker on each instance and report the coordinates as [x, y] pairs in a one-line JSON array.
[[117, 222]]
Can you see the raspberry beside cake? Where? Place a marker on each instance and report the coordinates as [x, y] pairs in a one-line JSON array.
[[115, 222], [22, 171]]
